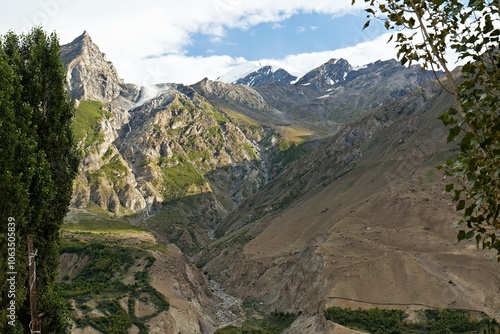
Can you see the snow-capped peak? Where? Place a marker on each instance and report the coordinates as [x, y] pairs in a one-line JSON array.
[[238, 72]]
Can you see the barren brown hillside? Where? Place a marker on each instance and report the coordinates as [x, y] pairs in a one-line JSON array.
[[362, 222]]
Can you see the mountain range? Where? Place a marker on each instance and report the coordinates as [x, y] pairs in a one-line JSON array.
[[294, 194], [266, 74]]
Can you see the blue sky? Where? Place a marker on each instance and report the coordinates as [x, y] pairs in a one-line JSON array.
[[301, 33], [184, 41]]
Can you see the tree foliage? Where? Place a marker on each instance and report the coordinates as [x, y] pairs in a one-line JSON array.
[[432, 321], [272, 323], [425, 31], [38, 162]]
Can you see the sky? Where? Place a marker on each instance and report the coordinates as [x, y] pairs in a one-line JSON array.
[[184, 41]]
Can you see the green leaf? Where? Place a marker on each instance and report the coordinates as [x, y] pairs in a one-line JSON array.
[[469, 211], [461, 205], [444, 117], [488, 25], [404, 60], [449, 187], [469, 234], [471, 177], [461, 235], [454, 132], [411, 22], [468, 68], [465, 144], [447, 117]]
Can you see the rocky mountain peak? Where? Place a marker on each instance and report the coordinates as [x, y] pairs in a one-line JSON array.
[[89, 74], [327, 75], [84, 38], [266, 74]]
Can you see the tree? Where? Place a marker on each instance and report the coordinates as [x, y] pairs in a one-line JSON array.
[[38, 162], [424, 31]]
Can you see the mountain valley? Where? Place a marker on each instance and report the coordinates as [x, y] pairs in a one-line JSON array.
[[231, 201]]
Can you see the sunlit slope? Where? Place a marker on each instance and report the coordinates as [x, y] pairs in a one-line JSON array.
[[362, 222]]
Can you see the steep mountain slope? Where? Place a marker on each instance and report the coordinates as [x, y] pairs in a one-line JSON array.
[[368, 88], [165, 148], [361, 222], [150, 149], [191, 162], [139, 138], [321, 101], [327, 75], [266, 74], [89, 74], [336, 93], [244, 105], [116, 276], [215, 168]]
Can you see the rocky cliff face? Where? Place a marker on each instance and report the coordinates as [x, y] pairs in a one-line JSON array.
[[89, 74], [90, 77], [266, 74], [175, 146], [327, 75], [146, 148], [337, 93], [238, 96]]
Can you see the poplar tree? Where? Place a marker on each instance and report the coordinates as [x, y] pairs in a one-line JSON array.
[[38, 160]]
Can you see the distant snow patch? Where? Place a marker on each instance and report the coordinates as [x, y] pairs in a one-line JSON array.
[[356, 68], [149, 93], [238, 72]]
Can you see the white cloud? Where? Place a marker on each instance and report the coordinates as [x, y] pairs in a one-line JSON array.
[[156, 19], [180, 69], [300, 29], [357, 55], [130, 31], [189, 70]]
